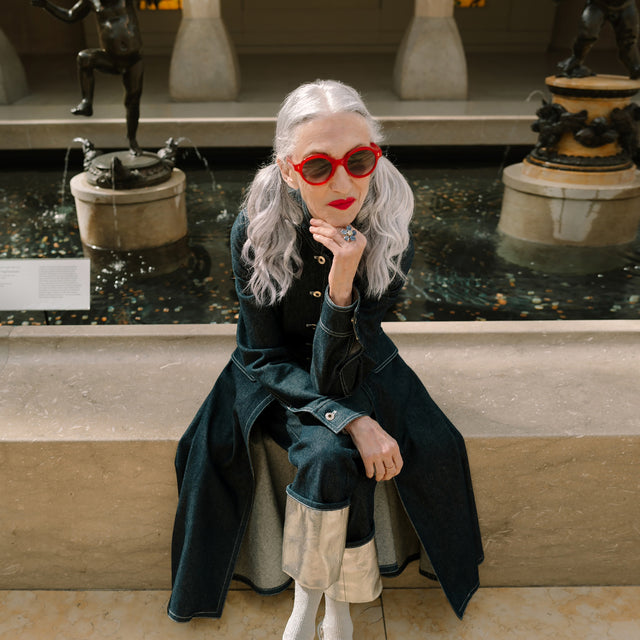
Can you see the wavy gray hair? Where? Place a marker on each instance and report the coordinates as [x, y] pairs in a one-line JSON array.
[[274, 212]]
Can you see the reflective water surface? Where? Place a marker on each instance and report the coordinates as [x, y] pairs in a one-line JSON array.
[[457, 274]]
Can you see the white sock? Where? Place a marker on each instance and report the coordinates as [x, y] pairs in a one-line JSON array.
[[337, 624], [302, 622]]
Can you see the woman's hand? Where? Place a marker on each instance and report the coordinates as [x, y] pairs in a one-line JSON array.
[[346, 258], [378, 450]]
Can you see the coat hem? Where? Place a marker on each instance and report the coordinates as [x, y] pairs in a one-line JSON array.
[[198, 614], [270, 591]]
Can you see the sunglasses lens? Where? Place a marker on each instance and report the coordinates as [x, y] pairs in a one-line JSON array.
[[316, 170], [362, 162]]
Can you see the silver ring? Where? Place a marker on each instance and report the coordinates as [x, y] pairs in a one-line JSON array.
[[349, 233]]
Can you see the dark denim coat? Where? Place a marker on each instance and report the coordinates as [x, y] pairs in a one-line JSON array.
[[335, 364]]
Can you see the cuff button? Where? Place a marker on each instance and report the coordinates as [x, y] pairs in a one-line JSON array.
[[330, 415]]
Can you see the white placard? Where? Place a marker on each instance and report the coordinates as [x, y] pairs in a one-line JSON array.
[[43, 283]]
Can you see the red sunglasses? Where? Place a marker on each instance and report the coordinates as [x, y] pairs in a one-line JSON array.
[[358, 163]]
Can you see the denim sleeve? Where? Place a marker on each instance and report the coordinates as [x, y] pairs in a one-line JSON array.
[[265, 357], [344, 346], [336, 363]]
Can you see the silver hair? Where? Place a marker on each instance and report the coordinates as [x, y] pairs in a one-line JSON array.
[[274, 211]]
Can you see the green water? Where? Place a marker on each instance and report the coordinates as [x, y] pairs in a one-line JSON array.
[[457, 274]]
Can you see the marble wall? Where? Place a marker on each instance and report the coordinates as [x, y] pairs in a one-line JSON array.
[[91, 421], [98, 515]]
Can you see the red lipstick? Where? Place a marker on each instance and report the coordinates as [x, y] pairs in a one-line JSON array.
[[343, 205]]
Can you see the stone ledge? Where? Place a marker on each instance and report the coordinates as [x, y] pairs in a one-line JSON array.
[[566, 378], [91, 417], [257, 131]]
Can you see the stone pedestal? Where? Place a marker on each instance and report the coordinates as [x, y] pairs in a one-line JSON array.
[[146, 228], [430, 64], [573, 205], [204, 66], [13, 81]]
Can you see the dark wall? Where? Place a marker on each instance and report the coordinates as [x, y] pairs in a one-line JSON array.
[[33, 30]]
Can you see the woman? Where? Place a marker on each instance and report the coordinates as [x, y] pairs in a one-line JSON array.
[[320, 253]]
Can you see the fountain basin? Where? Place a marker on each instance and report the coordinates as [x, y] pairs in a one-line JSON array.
[[573, 227], [147, 225], [594, 215], [128, 219]]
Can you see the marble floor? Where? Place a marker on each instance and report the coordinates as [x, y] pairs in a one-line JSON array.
[[557, 613]]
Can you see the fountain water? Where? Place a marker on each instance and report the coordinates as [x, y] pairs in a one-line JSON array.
[[458, 273]]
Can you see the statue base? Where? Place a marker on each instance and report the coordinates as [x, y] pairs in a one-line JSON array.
[[567, 228], [124, 170], [145, 226], [577, 193]]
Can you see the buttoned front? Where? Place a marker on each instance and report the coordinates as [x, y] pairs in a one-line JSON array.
[[333, 364], [273, 345]]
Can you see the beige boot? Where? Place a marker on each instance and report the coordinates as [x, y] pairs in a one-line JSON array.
[[359, 579], [313, 544]]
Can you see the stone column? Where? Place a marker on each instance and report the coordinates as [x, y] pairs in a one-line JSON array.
[[13, 81], [204, 66], [430, 64]]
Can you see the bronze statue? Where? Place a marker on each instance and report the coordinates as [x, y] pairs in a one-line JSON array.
[[121, 54], [623, 16]]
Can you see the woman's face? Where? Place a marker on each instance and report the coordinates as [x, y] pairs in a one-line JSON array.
[[339, 200]]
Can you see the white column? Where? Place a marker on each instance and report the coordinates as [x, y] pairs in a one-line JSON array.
[[430, 64], [204, 66], [13, 81]]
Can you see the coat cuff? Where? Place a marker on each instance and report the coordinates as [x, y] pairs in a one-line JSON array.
[[337, 413], [335, 320]]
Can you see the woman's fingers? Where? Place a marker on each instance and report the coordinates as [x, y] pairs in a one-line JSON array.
[[383, 472], [346, 241], [347, 254], [387, 469], [380, 452]]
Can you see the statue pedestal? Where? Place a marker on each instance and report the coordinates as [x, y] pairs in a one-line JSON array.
[[573, 205], [145, 228]]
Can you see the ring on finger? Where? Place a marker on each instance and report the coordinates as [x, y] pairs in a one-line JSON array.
[[349, 233]]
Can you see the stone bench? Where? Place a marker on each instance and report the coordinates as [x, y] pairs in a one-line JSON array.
[[91, 417]]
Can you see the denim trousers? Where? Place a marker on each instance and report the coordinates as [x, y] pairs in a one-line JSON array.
[[329, 497]]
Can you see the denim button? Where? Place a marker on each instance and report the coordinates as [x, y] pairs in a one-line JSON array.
[[330, 415]]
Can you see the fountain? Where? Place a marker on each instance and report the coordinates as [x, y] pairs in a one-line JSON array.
[[459, 272], [573, 205], [130, 204], [144, 225]]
